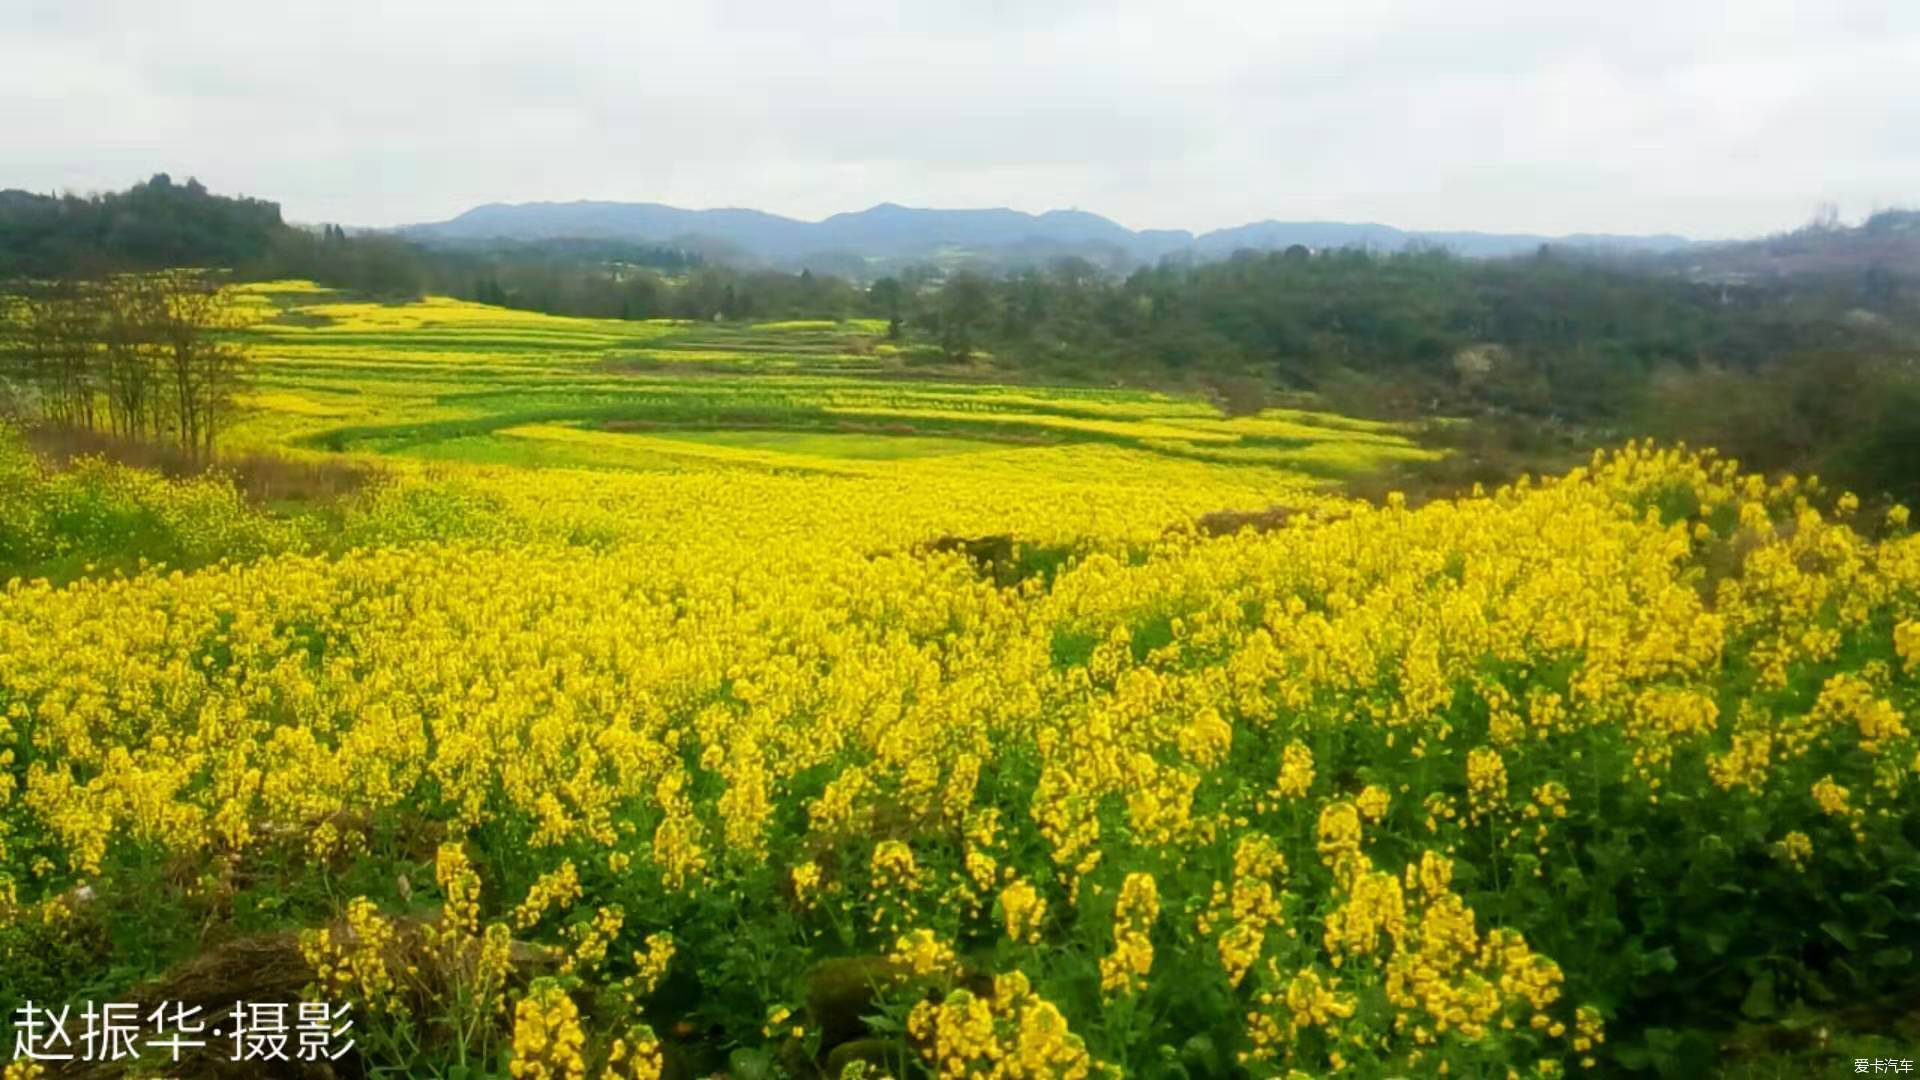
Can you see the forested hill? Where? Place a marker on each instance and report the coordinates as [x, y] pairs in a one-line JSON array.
[[151, 225]]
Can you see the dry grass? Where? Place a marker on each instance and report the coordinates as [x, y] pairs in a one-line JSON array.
[[269, 968], [261, 478]]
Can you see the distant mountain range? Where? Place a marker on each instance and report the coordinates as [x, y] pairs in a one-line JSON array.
[[893, 233]]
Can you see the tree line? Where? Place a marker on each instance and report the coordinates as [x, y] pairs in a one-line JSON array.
[[141, 356], [1547, 335], [594, 278]]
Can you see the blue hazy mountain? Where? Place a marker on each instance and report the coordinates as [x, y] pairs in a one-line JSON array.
[[893, 232]]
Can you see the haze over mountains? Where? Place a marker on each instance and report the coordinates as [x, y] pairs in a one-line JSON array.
[[891, 232]]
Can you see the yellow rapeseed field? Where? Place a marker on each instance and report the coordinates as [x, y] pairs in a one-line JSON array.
[[974, 762], [1345, 794]]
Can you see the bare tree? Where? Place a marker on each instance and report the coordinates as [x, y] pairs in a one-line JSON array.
[[150, 355], [17, 389], [202, 367], [51, 353], [133, 311]]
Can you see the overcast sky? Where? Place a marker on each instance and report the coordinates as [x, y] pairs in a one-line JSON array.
[[1705, 118]]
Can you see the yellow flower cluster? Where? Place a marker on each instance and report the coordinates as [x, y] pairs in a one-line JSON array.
[[636, 1056], [1448, 979], [698, 685], [1906, 643], [1014, 1034], [1124, 970], [1486, 782], [556, 889], [356, 962], [1590, 1031], [460, 885], [1796, 848], [1296, 770], [894, 868], [1305, 1001], [1249, 908], [651, 966], [547, 1037], [591, 939], [1836, 801], [1024, 911], [1744, 764], [1850, 699], [922, 953]]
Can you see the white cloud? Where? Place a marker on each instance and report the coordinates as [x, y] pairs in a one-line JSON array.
[[1638, 115]]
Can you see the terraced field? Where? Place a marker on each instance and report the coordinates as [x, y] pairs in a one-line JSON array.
[[445, 380]]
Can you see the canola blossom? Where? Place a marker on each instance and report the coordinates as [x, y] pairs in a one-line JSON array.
[[1356, 793]]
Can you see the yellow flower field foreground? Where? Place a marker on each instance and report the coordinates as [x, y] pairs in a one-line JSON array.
[[641, 770]]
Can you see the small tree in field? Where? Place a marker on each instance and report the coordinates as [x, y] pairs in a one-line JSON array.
[[965, 304], [887, 297]]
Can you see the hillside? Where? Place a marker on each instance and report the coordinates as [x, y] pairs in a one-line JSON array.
[[1888, 243]]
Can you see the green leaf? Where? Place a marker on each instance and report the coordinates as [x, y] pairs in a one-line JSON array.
[[1201, 1053], [1759, 1003], [1841, 933], [1660, 961], [1571, 881], [1679, 1053], [747, 1063], [1634, 1056]]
